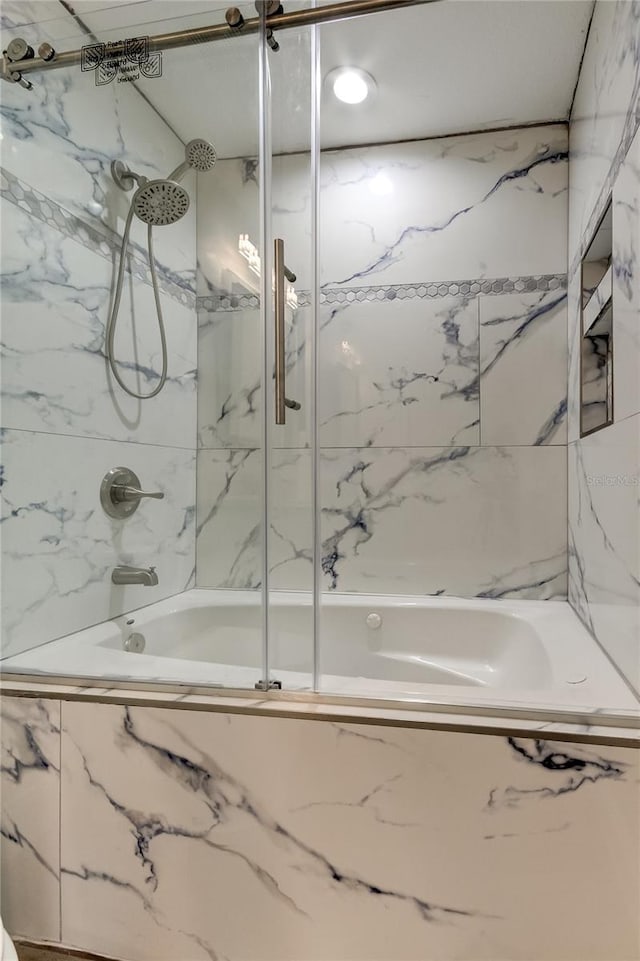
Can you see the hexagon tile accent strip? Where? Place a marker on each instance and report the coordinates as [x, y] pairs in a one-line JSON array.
[[94, 235], [467, 289], [448, 288]]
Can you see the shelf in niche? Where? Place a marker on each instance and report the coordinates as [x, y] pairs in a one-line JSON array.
[[596, 345]]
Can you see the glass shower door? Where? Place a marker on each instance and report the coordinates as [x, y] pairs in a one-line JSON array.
[[231, 403], [66, 423], [290, 353]]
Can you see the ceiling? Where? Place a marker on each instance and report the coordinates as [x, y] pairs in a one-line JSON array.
[[441, 68]]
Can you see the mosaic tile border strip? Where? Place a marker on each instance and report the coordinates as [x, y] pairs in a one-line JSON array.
[[438, 289], [215, 303], [631, 127], [224, 302], [102, 240]]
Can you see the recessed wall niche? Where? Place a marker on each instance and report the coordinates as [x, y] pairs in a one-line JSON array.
[[596, 345]]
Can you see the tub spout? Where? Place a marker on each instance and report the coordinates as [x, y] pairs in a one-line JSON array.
[[135, 575]]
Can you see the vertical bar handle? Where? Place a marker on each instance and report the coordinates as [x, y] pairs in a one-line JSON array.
[[280, 370]]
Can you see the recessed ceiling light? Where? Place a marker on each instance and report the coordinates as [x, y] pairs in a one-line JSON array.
[[351, 84]]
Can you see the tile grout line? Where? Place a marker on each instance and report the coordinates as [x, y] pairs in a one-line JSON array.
[[106, 440]]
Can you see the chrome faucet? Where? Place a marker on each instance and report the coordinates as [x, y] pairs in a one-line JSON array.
[[135, 575]]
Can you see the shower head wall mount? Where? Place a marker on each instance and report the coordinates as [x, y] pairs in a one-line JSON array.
[[124, 177]]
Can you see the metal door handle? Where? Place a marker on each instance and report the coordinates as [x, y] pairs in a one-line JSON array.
[[281, 272]]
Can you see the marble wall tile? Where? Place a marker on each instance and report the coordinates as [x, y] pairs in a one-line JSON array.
[[457, 205], [93, 236], [230, 401], [604, 483], [604, 114], [59, 546], [399, 364], [379, 224], [371, 844], [604, 539], [466, 521], [230, 396], [61, 226], [230, 527], [61, 137], [30, 738], [56, 296], [523, 368], [229, 205], [626, 284], [229, 518], [399, 373]]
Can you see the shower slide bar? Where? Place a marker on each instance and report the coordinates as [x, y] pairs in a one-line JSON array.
[[13, 69]]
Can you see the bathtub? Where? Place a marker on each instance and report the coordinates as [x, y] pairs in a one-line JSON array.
[[434, 650]]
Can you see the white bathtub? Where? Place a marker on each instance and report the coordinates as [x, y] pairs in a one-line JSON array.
[[446, 650]]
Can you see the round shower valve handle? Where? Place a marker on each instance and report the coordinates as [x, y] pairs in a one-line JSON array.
[[121, 493]]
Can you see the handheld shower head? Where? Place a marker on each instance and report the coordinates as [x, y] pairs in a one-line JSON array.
[[199, 155], [156, 203], [160, 202]]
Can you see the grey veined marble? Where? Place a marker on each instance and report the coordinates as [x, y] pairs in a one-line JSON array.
[[371, 843], [468, 521]]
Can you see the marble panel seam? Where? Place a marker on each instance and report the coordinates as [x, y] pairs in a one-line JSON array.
[[107, 440]]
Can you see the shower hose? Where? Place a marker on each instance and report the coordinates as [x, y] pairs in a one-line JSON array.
[[113, 316]]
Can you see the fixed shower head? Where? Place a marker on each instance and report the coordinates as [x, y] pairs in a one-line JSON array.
[[160, 202], [199, 155]]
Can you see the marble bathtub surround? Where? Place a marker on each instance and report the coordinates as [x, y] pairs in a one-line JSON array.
[[371, 843], [61, 136], [442, 362], [604, 539], [56, 298], [446, 195], [598, 728], [523, 368], [229, 513], [456, 204], [64, 424], [604, 118], [399, 365], [604, 468], [30, 821], [493, 513], [94, 235], [399, 373], [383, 509], [62, 546]]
